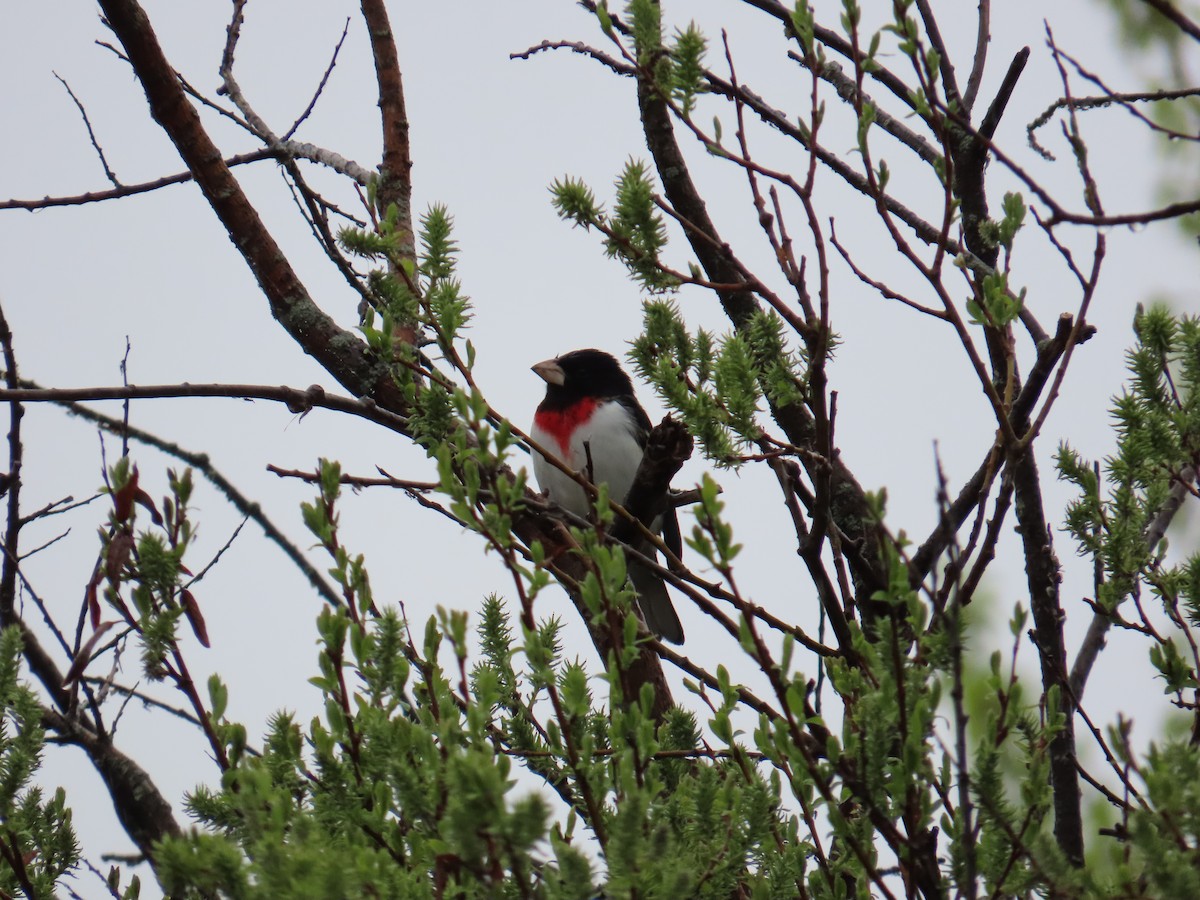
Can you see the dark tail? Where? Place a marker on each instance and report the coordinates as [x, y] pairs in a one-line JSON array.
[[654, 603]]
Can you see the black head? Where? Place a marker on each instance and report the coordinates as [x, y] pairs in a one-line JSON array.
[[584, 373]]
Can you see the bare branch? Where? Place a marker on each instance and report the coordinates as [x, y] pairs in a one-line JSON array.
[[991, 119], [143, 811], [329, 159], [945, 66], [1043, 574], [296, 400], [581, 48], [1123, 100], [395, 182], [91, 134], [1170, 211], [312, 104], [230, 86], [739, 305], [339, 351], [12, 529], [847, 89], [145, 814], [835, 42], [879, 286], [1169, 11], [309, 152], [983, 37]]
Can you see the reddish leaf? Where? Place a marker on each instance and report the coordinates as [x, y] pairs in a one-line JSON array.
[[84, 656], [123, 499], [144, 500], [92, 599], [119, 550], [195, 617]]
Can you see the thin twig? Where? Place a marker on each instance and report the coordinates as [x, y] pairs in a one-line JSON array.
[[312, 104], [201, 463], [1124, 100], [983, 37], [945, 66], [128, 190], [1172, 13], [108, 172], [217, 556], [296, 400]]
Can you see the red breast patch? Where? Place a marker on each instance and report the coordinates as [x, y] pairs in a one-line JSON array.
[[561, 423]]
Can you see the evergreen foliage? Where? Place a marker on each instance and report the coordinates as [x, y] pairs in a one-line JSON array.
[[37, 842]]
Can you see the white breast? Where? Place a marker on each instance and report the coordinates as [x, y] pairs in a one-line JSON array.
[[615, 454]]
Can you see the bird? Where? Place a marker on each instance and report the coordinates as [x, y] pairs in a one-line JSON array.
[[592, 422]]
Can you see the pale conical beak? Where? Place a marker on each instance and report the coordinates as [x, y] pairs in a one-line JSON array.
[[550, 371]]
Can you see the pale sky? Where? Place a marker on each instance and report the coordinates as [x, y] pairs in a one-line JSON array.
[[489, 136]]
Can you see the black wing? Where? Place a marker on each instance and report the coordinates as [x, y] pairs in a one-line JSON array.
[[670, 532], [639, 416]]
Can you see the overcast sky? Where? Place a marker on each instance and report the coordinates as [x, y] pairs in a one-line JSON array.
[[489, 135]]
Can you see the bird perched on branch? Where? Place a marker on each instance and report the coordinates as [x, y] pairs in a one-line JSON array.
[[592, 422]]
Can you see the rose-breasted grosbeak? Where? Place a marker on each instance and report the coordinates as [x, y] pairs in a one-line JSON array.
[[590, 417]]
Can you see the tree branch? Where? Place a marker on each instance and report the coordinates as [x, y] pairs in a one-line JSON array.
[[395, 170], [142, 810], [285, 150], [850, 509], [297, 401], [1168, 11], [1156, 529], [340, 352], [983, 36], [957, 512], [201, 463], [87, 123], [1043, 574], [145, 814]]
